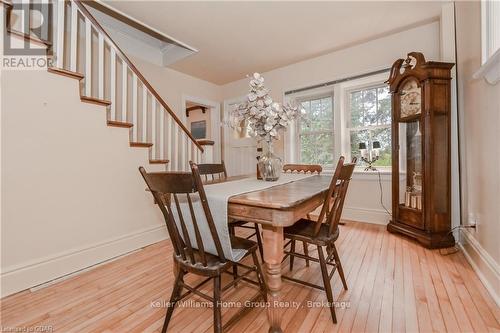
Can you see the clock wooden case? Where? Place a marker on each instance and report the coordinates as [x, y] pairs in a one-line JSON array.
[[421, 190]]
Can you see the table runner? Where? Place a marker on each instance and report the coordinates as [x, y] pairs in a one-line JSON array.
[[217, 196]]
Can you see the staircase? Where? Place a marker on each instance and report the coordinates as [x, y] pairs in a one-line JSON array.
[[82, 50]]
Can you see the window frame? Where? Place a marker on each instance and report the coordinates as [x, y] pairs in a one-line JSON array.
[[311, 96], [369, 128], [490, 23], [341, 135], [371, 82]]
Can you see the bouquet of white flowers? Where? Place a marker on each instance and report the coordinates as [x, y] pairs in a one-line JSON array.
[[265, 117]]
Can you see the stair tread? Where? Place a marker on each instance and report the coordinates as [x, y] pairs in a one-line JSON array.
[[65, 72], [95, 100], [159, 161], [115, 123], [141, 144]]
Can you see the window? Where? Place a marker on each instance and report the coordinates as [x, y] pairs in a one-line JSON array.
[[369, 120], [342, 114], [316, 138], [490, 28]]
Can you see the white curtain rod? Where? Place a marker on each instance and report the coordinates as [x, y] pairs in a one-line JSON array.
[[329, 83]]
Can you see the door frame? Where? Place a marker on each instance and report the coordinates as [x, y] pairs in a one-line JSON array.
[[215, 120]]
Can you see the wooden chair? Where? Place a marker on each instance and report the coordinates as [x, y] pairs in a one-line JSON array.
[[303, 168], [213, 172], [189, 254], [323, 233]]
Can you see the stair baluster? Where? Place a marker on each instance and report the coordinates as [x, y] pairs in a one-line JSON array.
[[169, 136]]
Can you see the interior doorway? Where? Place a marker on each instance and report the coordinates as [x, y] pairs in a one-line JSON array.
[[240, 149], [202, 119]]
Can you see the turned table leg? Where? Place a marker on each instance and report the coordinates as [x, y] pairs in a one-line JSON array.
[[272, 239]]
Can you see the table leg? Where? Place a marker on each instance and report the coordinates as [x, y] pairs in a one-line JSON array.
[[272, 239]]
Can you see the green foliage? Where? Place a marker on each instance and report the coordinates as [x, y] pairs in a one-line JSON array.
[[370, 121]]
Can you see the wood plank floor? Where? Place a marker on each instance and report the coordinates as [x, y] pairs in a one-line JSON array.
[[395, 285]]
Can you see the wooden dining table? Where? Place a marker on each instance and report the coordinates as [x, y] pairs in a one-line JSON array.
[[275, 208]]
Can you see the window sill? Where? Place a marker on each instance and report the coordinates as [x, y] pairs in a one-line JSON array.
[[360, 174], [490, 70]]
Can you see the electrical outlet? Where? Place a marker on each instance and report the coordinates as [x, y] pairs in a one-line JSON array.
[[473, 221]]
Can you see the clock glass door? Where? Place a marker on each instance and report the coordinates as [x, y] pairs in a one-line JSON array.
[[410, 162]]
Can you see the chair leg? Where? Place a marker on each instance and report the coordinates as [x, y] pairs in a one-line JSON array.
[[232, 231], [176, 291], [217, 305], [235, 274], [326, 283], [260, 276], [259, 241], [339, 266], [306, 252], [292, 251]]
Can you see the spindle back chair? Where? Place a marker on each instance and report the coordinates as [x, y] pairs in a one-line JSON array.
[[170, 190]]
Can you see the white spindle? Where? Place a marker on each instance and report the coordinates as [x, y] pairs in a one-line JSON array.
[[198, 155], [45, 15], [134, 108], [100, 73], [88, 58], [189, 148], [162, 133], [169, 146], [25, 17], [73, 54], [124, 91], [153, 127], [183, 151], [112, 82], [176, 152], [60, 35], [144, 113]]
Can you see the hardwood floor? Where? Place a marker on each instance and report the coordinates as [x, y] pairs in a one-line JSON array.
[[394, 285]]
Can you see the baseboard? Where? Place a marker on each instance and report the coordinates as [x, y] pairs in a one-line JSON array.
[[375, 216], [486, 268], [27, 275]]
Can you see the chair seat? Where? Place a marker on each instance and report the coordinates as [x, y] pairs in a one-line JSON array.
[[243, 243], [214, 264], [303, 230]]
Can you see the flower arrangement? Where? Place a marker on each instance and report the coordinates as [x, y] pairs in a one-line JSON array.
[[265, 117]]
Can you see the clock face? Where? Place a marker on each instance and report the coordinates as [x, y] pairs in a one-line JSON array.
[[410, 99]]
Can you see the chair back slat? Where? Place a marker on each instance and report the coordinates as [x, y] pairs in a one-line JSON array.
[[163, 185], [185, 233], [209, 171], [325, 210], [206, 209], [334, 200], [302, 168], [199, 239]]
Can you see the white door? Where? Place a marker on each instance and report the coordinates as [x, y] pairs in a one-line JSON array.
[[240, 153]]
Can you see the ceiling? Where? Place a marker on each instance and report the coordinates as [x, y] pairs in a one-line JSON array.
[[237, 38]]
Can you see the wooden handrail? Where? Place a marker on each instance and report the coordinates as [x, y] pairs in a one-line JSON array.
[[134, 69]]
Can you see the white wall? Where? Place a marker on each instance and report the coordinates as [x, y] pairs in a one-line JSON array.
[[363, 202], [173, 85], [479, 106]]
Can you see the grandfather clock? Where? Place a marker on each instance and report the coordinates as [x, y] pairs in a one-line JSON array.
[[421, 190]]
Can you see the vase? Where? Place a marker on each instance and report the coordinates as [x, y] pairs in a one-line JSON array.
[[270, 164]]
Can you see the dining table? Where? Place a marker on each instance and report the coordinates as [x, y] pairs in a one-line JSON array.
[[274, 208]]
